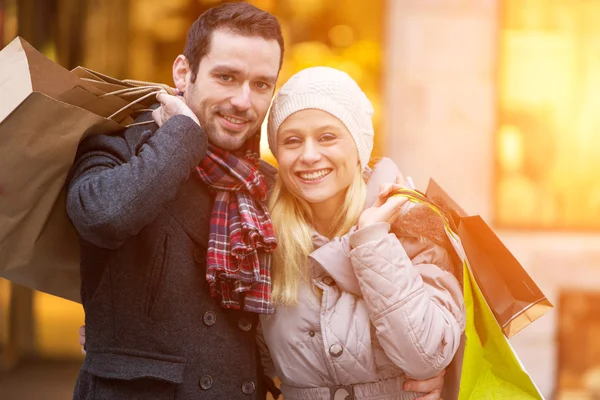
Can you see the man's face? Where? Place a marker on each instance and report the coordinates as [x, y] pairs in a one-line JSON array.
[[234, 87]]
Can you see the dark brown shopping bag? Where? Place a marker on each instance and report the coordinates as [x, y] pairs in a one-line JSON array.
[[45, 110], [514, 298]]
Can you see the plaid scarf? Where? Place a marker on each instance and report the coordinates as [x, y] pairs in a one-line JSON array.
[[241, 240]]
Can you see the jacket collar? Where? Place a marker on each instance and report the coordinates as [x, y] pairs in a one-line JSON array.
[[332, 257]]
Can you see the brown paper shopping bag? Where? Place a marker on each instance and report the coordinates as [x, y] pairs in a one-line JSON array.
[[514, 298], [45, 110]]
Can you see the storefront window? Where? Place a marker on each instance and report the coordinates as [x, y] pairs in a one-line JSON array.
[[548, 140]]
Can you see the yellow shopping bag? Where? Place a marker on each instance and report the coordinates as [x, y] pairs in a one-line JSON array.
[[488, 367]]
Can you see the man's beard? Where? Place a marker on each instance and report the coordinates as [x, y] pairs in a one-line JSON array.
[[219, 137]]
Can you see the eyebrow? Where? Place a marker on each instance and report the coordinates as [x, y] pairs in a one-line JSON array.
[[227, 69], [329, 128]]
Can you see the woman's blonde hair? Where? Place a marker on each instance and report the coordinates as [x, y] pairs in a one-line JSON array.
[[293, 222]]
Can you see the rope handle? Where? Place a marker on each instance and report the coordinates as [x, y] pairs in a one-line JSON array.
[[135, 102], [415, 196], [137, 88]]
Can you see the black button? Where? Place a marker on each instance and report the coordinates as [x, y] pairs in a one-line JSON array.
[[311, 333], [244, 324], [329, 281], [209, 318], [205, 382], [248, 387], [200, 256]]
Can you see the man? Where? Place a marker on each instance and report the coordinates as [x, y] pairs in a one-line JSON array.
[[166, 213]]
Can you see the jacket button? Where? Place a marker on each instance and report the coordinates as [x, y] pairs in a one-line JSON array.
[[248, 387], [329, 281], [209, 318], [205, 382], [311, 333], [200, 256], [336, 350], [244, 324]]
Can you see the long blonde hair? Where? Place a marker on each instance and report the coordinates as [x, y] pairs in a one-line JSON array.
[[293, 222]]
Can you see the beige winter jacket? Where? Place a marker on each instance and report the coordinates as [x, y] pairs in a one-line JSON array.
[[390, 307]]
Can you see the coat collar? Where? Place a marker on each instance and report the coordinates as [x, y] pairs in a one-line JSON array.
[[332, 257]]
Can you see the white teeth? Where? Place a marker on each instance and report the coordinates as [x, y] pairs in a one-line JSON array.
[[234, 120], [313, 176]]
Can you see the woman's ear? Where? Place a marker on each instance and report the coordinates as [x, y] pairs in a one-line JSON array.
[[181, 73]]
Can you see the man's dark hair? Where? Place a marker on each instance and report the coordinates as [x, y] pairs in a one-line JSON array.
[[238, 18]]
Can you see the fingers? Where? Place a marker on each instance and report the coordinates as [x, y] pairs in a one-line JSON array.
[[388, 188], [432, 386], [170, 106], [162, 97], [391, 209], [435, 395], [157, 116], [81, 331]]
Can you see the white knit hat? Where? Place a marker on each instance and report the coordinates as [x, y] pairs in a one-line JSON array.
[[330, 90]]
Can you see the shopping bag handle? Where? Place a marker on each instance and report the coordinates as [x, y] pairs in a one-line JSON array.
[[414, 196]]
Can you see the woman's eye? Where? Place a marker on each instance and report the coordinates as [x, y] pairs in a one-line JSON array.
[[291, 141], [327, 137]]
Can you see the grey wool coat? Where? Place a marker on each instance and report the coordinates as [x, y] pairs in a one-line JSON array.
[[152, 329]]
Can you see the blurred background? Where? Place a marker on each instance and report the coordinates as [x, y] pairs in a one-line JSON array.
[[494, 99]]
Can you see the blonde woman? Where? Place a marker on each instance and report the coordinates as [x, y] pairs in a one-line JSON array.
[[359, 308]]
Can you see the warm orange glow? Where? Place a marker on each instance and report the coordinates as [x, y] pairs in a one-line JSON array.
[[57, 321], [548, 93]]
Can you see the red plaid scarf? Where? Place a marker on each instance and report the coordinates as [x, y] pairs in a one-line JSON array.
[[241, 241]]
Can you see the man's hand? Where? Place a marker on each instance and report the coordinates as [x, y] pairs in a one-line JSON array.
[[170, 106], [432, 387], [82, 338]]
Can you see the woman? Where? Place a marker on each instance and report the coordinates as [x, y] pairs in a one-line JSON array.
[[358, 308]]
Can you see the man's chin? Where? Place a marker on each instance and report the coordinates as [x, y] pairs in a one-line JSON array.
[[229, 141]]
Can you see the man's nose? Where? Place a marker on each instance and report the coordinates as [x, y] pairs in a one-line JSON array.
[[241, 100]]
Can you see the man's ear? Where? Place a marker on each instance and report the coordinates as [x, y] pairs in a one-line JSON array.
[[182, 73]]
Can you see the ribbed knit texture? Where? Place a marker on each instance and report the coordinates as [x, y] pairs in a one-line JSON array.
[[330, 90]]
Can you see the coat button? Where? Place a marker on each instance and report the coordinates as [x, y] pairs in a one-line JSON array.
[[248, 387], [244, 324], [329, 281], [209, 318], [336, 350], [205, 382], [311, 333], [200, 256]]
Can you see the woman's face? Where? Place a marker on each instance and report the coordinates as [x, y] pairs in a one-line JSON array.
[[317, 158]]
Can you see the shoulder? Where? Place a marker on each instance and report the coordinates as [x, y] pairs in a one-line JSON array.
[[123, 141], [384, 171], [269, 172]]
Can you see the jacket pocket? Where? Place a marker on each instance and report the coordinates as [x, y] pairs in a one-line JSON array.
[[116, 376], [156, 275]]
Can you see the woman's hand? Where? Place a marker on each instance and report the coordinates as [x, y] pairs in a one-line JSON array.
[[385, 209]]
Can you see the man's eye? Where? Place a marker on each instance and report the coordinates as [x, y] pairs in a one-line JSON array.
[[226, 78], [262, 85]]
